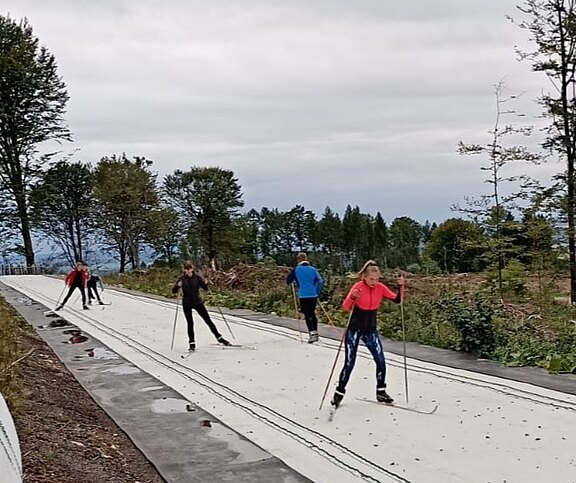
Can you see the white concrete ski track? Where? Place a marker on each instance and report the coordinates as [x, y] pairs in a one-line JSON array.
[[486, 429]]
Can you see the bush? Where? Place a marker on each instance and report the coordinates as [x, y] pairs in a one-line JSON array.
[[452, 322], [414, 268], [513, 279], [475, 322]]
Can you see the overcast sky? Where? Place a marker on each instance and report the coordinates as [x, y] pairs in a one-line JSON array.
[[309, 102]]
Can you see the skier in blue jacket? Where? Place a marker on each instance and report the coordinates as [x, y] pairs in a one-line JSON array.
[[309, 284]]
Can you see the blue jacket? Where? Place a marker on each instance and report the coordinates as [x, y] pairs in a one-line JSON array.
[[308, 279]]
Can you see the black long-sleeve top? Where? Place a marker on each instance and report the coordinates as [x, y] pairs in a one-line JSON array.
[[191, 286]]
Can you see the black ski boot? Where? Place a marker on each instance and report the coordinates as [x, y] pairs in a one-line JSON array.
[[85, 307], [101, 303], [191, 347], [383, 397], [223, 341], [337, 397], [313, 337]]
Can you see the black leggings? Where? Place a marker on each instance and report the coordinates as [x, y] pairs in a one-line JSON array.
[[92, 288], [202, 312], [72, 287], [308, 308]]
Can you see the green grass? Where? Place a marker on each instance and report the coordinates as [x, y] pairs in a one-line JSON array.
[[11, 327]]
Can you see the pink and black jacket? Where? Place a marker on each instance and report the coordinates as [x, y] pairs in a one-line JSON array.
[[365, 307]]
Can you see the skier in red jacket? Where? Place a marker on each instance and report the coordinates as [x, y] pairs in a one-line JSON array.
[[77, 278], [364, 300]]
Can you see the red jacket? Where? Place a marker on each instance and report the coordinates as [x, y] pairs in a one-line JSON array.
[[72, 276]]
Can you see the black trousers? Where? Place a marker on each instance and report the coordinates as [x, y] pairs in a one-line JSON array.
[[72, 287], [92, 288], [308, 308], [202, 312]]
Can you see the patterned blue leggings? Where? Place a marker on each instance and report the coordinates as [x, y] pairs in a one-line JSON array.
[[371, 340]]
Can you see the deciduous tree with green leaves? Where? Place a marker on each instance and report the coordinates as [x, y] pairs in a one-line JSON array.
[[456, 246], [125, 196], [163, 233], [62, 207], [33, 102]]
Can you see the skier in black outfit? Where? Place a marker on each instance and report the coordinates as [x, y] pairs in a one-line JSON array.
[[92, 286], [191, 299]]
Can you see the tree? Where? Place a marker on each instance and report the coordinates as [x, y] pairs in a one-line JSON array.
[[489, 210], [8, 241], [357, 236], [125, 194], [62, 207], [552, 26], [243, 246], [163, 233], [328, 232], [456, 245], [405, 235], [427, 230], [32, 106], [269, 226], [207, 200], [538, 237], [381, 240], [299, 223]]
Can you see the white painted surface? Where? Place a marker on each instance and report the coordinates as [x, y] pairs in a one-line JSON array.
[[10, 457], [486, 429]]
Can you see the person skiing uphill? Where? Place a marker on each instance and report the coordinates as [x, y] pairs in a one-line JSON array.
[[76, 278], [309, 284], [364, 300], [190, 283]]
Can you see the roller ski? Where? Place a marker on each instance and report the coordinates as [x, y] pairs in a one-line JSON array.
[[398, 406], [234, 346], [189, 352]]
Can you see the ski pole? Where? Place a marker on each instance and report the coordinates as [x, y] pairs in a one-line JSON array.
[[336, 358], [60, 297], [297, 312], [175, 319], [224, 319], [227, 324], [326, 313], [404, 341]]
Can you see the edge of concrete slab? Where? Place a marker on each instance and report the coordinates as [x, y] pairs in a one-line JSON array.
[[184, 442]]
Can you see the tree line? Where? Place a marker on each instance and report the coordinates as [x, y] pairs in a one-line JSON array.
[[120, 206], [196, 213]]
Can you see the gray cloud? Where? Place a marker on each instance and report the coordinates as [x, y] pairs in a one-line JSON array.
[[314, 103]]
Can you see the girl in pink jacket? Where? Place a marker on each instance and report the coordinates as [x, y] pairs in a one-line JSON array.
[[364, 300]]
